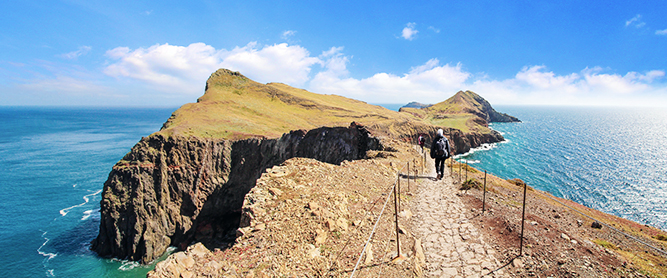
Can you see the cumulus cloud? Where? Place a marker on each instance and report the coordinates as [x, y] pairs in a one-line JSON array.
[[635, 21], [433, 82], [430, 81], [184, 69], [661, 32], [536, 85], [409, 32], [83, 50]]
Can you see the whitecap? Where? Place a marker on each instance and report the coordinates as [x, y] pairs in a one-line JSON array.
[[128, 265], [48, 256], [483, 147], [88, 213], [86, 199]]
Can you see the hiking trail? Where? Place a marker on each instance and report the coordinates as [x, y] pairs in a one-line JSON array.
[[452, 245]]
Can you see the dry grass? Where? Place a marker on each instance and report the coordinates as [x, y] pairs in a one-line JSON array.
[[235, 107]]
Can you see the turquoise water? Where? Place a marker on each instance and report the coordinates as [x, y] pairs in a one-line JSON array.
[[54, 163], [610, 159]]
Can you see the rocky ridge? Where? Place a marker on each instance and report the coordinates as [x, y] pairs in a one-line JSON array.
[[306, 218], [187, 182]]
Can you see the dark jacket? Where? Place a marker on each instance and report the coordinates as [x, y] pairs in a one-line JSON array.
[[448, 148]]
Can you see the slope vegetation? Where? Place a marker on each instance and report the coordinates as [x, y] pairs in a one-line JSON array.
[[466, 111], [235, 107]]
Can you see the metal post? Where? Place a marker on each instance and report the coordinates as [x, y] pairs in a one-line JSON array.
[[460, 171], [398, 244], [484, 198], [523, 218], [399, 189], [466, 170], [408, 176]]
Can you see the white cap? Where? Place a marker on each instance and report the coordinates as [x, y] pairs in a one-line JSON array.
[[440, 132]]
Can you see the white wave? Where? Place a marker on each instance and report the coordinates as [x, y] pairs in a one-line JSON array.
[[88, 213], [86, 199], [128, 265], [483, 147], [469, 161], [48, 256], [49, 273]]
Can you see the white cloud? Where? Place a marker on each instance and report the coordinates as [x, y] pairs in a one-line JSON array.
[[661, 32], [409, 32], [83, 50], [184, 69], [288, 34], [427, 82], [635, 21], [436, 30], [591, 86], [432, 82]]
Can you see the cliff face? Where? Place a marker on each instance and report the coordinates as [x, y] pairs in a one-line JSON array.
[[173, 190]]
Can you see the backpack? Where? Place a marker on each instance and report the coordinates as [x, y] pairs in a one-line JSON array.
[[441, 148]]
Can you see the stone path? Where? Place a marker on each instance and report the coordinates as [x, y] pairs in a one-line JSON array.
[[452, 245]]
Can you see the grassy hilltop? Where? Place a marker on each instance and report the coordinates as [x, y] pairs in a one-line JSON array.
[[235, 107], [466, 111]]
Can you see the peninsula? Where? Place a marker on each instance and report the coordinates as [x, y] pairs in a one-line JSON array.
[[255, 172]]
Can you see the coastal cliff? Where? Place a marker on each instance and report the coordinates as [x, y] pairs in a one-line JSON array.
[[186, 183], [175, 190]]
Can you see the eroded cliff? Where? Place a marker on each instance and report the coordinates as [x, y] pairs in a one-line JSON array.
[[173, 190]]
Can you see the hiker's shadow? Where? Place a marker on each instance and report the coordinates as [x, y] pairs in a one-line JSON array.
[[416, 177]]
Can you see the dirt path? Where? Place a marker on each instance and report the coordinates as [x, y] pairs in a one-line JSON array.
[[452, 245]]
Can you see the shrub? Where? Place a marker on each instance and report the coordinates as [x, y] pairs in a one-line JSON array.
[[471, 183]]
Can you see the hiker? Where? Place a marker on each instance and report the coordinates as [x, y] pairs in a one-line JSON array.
[[422, 140], [440, 150]]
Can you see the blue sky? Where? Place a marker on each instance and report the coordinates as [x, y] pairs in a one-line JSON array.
[[160, 53]]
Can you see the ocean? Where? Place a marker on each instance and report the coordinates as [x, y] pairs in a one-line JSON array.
[[610, 159], [55, 162]]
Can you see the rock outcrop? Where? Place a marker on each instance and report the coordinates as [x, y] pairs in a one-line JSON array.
[[174, 190]]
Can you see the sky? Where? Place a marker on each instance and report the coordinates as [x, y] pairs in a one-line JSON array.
[[160, 53]]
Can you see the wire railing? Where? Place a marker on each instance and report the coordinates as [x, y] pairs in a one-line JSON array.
[[460, 175], [458, 178]]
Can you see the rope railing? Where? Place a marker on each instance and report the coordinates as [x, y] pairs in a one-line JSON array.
[[396, 193]]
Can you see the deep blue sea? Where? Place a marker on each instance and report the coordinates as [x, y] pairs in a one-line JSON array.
[[54, 162], [610, 159]]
